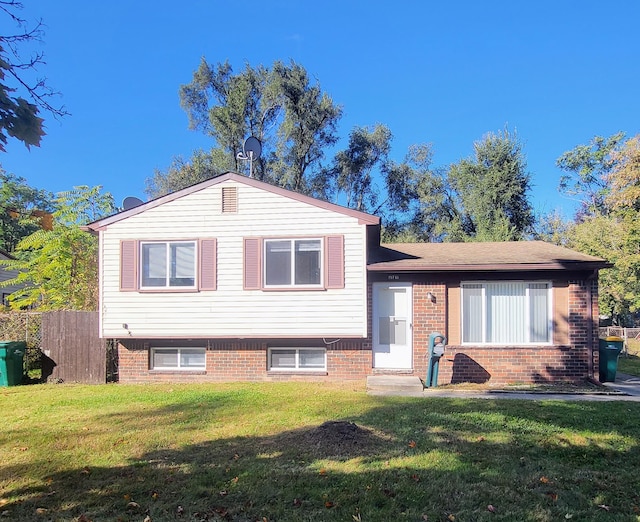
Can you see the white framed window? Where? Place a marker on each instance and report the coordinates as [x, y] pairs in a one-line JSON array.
[[506, 312], [183, 359], [293, 262], [297, 359], [168, 264]]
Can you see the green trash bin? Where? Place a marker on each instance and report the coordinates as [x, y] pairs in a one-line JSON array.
[[11, 362], [609, 349]]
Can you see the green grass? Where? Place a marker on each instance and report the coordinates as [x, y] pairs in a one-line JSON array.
[[256, 452], [630, 362]]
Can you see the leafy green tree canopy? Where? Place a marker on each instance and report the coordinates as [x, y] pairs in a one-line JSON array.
[[609, 222], [493, 190], [59, 267], [352, 172], [482, 198], [291, 116], [587, 168], [21, 209]]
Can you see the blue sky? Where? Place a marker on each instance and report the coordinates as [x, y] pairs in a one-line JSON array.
[[558, 72]]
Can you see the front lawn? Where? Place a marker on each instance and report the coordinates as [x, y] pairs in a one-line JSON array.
[[310, 452]]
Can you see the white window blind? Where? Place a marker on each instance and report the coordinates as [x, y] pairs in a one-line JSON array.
[[506, 313]]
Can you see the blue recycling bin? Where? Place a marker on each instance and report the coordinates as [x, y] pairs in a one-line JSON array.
[[609, 349]]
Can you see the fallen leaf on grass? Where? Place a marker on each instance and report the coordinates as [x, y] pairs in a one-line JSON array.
[[606, 508], [221, 511], [568, 516], [83, 518], [552, 496], [179, 511], [133, 505], [328, 504], [544, 480], [415, 478], [491, 508], [41, 511], [297, 502], [412, 443], [147, 519], [451, 517], [322, 471]]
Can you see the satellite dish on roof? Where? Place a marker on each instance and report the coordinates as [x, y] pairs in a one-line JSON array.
[[251, 151], [131, 202]]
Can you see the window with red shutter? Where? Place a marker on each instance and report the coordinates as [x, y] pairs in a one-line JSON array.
[[252, 264], [128, 266], [335, 262]]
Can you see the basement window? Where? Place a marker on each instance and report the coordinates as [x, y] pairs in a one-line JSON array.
[[182, 359], [297, 359]]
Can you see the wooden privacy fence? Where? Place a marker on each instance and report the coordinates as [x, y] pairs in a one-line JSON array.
[[73, 352]]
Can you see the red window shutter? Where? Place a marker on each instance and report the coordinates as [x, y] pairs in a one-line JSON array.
[[128, 265], [335, 262], [207, 265], [252, 265]]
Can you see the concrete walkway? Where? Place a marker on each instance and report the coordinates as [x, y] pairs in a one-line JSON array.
[[626, 388]]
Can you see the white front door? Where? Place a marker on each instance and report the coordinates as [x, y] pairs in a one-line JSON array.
[[392, 316]]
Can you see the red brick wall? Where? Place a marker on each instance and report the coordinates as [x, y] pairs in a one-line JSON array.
[[237, 360], [509, 364]]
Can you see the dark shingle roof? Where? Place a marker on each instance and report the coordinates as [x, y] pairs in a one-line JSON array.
[[514, 255]]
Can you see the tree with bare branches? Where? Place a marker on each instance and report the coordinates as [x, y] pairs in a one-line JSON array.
[[22, 98]]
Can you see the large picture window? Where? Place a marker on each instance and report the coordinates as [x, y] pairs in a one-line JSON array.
[[297, 359], [292, 262], [506, 312], [178, 359], [168, 264]]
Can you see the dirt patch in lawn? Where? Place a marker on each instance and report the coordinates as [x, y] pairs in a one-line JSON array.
[[335, 439]]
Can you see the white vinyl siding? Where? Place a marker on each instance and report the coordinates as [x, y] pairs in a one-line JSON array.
[[506, 313], [183, 359], [297, 359], [233, 310]]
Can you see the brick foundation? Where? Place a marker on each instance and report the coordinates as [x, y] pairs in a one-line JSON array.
[[235, 360]]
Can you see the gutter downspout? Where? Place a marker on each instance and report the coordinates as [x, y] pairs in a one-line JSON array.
[[588, 281]]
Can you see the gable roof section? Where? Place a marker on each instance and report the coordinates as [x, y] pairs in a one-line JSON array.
[[480, 257], [363, 218]]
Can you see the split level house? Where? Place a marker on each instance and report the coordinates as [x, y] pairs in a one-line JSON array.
[[236, 279]]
